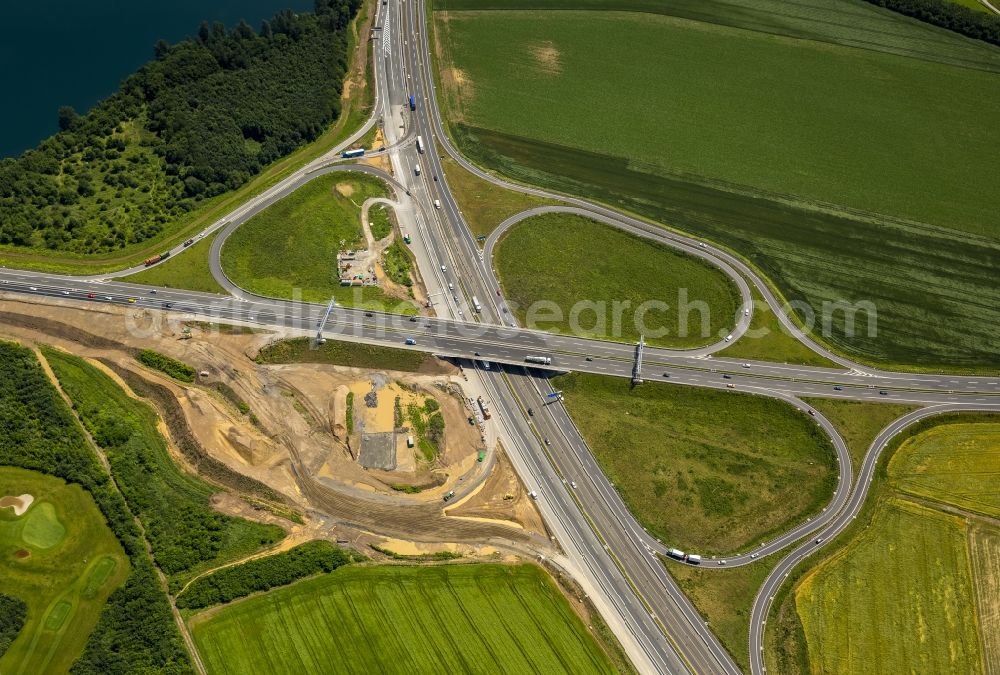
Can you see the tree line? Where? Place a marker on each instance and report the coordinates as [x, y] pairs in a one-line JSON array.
[[13, 613], [136, 631], [950, 15], [262, 574], [199, 120]]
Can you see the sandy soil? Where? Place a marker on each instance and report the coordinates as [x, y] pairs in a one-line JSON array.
[[502, 497], [20, 504], [299, 407]]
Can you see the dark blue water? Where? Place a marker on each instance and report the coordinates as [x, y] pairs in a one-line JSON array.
[[75, 52]]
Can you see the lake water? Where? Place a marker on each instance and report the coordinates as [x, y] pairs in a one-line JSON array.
[[73, 52]]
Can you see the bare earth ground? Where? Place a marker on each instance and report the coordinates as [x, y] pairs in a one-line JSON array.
[[299, 447]]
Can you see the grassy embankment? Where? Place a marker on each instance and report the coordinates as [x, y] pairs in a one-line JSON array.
[[340, 353], [564, 259], [61, 559], [189, 270], [402, 619], [899, 590], [186, 534], [291, 247], [808, 208], [767, 340], [483, 204], [356, 105], [707, 471], [724, 597]]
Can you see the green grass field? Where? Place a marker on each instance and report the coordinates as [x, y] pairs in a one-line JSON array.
[[859, 422], [723, 597], [792, 162], [897, 592], [340, 353], [62, 560], [897, 599], [189, 271], [708, 471], [483, 204], [186, 534], [767, 340], [567, 259], [291, 247], [451, 618], [952, 463]]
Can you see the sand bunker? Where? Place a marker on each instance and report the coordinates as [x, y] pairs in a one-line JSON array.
[[20, 504]]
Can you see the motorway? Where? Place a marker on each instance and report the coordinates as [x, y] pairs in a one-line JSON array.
[[613, 556]]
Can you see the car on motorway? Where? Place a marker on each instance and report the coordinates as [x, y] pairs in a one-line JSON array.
[[32, 288], [413, 319], [812, 413], [547, 441], [730, 386], [153, 292], [533, 494], [91, 295], [444, 268], [754, 555], [819, 540], [746, 365], [729, 338], [666, 374], [168, 305], [883, 392], [531, 412], [837, 387], [437, 203], [369, 314], [131, 301], [722, 562], [435, 178], [727, 376], [410, 341], [572, 484], [746, 312], [188, 243], [589, 358]]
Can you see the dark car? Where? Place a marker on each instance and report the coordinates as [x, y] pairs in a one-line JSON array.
[[189, 242], [531, 412], [838, 388], [369, 314], [590, 358], [727, 377], [168, 305], [413, 319], [883, 393]]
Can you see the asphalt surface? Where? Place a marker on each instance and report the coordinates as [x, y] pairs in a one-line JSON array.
[[591, 522]]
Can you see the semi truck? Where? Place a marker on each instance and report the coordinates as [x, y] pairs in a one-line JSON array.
[[692, 559], [420, 145], [348, 154], [484, 408], [676, 553], [541, 360], [475, 304], [413, 102], [156, 258]]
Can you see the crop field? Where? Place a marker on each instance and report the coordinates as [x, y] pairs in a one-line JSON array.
[[459, 619], [291, 247], [909, 588], [952, 463], [186, 534], [61, 559], [586, 267], [922, 598], [705, 470], [824, 209], [188, 271]]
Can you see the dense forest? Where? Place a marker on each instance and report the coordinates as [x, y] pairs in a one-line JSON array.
[[950, 15], [199, 120], [13, 613], [262, 574], [136, 631]]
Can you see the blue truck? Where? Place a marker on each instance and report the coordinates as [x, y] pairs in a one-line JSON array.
[[413, 102], [347, 154]]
